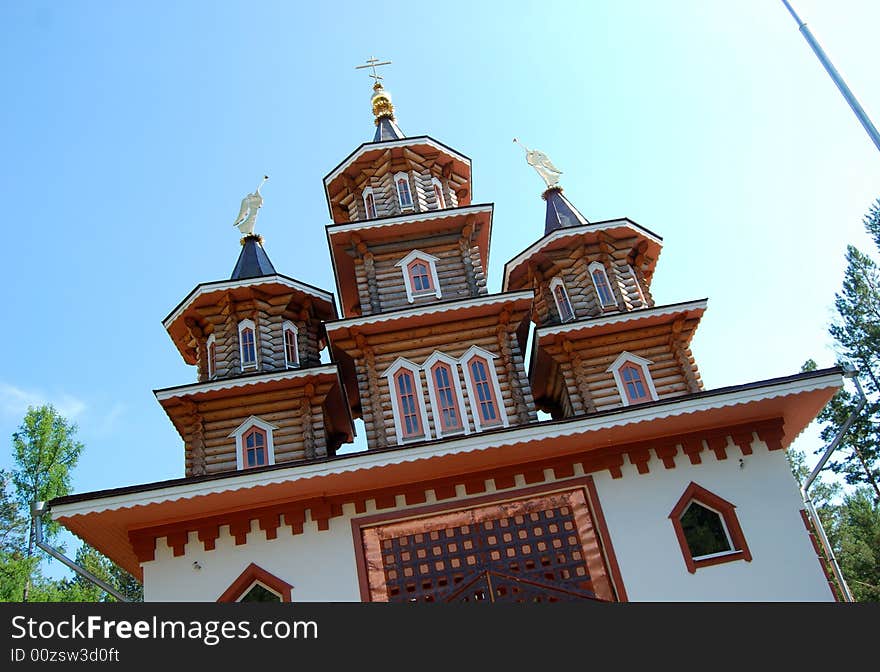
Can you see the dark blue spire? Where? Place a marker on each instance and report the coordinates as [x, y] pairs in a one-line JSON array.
[[387, 129], [560, 212], [253, 262]]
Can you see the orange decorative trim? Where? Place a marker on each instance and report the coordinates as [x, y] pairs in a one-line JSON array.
[[718, 445], [700, 495], [255, 574], [820, 555], [177, 542], [692, 447], [667, 453], [743, 439]]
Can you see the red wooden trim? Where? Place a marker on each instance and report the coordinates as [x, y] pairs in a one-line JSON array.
[[718, 445], [667, 453], [743, 439], [642, 374], [208, 535], [700, 495], [269, 523], [771, 433], [177, 542], [417, 414], [428, 274], [456, 400], [490, 383], [820, 555], [692, 447], [605, 539], [251, 574], [143, 545], [239, 528]]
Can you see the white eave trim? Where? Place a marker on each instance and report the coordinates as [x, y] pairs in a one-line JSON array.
[[621, 317], [571, 231], [230, 383], [381, 146], [429, 309], [209, 287], [478, 441], [428, 215]]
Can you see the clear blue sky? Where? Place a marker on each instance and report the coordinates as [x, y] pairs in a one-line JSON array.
[[132, 130]]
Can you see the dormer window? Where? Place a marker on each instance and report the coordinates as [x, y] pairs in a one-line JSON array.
[[444, 389], [420, 275], [407, 402], [483, 388], [438, 193], [560, 296], [247, 344], [291, 349], [253, 443], [212, 356], [603, 288], [404, 195], [633, 379], [369, 203]]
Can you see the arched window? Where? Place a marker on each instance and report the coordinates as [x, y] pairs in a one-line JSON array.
[[212, 356], [369, 203], [419, 275], [603, 288], [560, 296], [707, 529], [404, 195], [633, 379], [444, 388], [291, 349], [438, 193], [254, 445], [407, 402], [247, 344], [483, 389]]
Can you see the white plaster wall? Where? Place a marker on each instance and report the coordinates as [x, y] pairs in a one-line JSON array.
[[784, 566], [321, 565]]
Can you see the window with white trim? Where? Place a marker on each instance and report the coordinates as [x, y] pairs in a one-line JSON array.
[[420, 275], [560, 296], [247, 343], [369, 203], [439, 199], [602, 286], [254, 445], [407, 401], [211, 351], [404, 193], [291, 344], [633, 379], [487, 404], [638, 285], [444, 390]]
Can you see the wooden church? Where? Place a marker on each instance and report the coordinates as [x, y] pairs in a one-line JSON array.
[[635, 483]]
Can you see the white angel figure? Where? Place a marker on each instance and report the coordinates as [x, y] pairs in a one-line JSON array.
[[542, 164], [247, 215]]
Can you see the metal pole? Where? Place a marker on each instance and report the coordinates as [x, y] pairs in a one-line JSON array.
[[835, 76]]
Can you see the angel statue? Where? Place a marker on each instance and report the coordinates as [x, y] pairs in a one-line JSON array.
[[542, 164], [250, 204]]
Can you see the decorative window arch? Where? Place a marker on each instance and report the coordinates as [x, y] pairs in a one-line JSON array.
[[633, 378], [420, 275], [404, 192], [291, 344], [707, 529], [445, 392], [602, 285], [248, 583], [369, 203], [254, 446], [247, 345], [484, 393], [407, 401], [211, 350], [560, 296], [438, 193]]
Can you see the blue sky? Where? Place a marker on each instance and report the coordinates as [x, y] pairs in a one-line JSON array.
[[133, 130]]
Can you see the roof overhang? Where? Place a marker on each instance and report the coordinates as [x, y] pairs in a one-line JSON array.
[[560, 238], [104, 519]]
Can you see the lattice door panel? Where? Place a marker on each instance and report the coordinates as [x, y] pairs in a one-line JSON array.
[[538, 549]]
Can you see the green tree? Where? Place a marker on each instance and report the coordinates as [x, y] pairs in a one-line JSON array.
[[855, 536], [80, 589]]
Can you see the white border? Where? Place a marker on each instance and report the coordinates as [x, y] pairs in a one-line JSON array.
[[287, 324], [557, 282], [409, 188], [599, 266], [431, 262], [419, 393], [437, 183], [453, 363], [230, 383], [493, 380], [211, 366], [253, 421], [368, 191], [242, 325], [628, 357], [424, 216], [638, 314]]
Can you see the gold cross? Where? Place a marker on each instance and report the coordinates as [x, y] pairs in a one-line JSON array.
[[373, 63]]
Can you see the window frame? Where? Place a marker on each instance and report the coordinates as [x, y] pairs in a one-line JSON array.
[[254, 574], [211, 356], [242, 326], [439, 196], [640, 363], [554, 284], [600, 267], [368, 191], [639, 290], [476, 351], [431, 262], [439, 358], [409, 190], [730, 522], [288, 325], [240, 448], [390, 375]]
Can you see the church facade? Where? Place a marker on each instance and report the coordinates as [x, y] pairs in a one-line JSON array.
[[634, 483]]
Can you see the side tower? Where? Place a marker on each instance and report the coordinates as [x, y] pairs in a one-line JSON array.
[[427, 352]]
